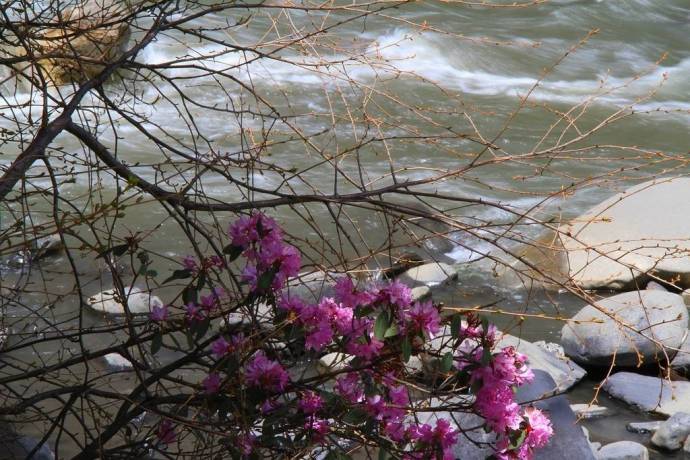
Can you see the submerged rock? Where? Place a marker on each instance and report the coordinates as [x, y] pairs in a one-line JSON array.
[[592, 337], [643, 427], [588, 411], [139, 302], [671, 433], [640, 232], [431, 274], [623, 450], [650, 394]]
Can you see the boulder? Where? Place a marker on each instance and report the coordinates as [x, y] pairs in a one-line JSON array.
[[671, 433], [643, 427], [569, 441], [623, 450], [589, 411], [420, 293], [681, 360], [650, 394], [640, 232], [564, 371], [596, 334], [431, 274], [88, 36], [139, 302]]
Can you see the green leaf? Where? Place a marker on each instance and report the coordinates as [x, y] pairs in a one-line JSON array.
[[381, 325], [355, 416], [179, 275], [486, 356], [384, 454], [518, 440], [447, 362], [156, 343], [116, 250], [201, 328], [265, 280], [233, 252], [189, 295], [392, 331], [406, 347], [455, 324]]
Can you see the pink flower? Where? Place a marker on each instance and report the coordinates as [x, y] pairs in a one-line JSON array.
[[350, 388], [194, 313], [395, 431], [166, 432], [209, 302], [539, 429], [318, 428], [310, 403], [266, 374], [365, 349], [422, 318], [319, 336], [190, 263], [495, 402], [397, 293], [221, 347], [159, 314], [347, 294], [212, 383], [269, 406], [245, 441], [291, 304]]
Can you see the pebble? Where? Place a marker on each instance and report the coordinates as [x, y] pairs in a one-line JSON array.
[[588, 411]]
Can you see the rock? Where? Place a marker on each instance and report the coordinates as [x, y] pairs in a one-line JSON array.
[[681, 360], [588, 411], [139, 302], [15, 446], [118, 362], [659, 315], [641, 231], [686, 447], [623, 450], [420, 293], [686, 296], [551, 347], [46, 246], [654, 286], [671, 434], [333, 362], [564, 371], [594, 446], [650, 394], [431, 274], [568, 441], [643, 427], [92, 35]]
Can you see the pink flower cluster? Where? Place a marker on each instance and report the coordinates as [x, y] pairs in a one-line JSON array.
[[261, 242], [266, 374], [495, 398]]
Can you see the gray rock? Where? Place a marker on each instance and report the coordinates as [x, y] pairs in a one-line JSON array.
[[638, 232], [650, 394], [672, 432], [431, 274], [643, 427], [623, 450], [595, 446], [681, 360], [654, 286], [333, 362], [686, 296], [551, 347], [15, 446], [686, 447], [588, 411], [118, 362], [568, 441], [46, 246], [139, 302], [593, 337], [420, 293], [563, 370]]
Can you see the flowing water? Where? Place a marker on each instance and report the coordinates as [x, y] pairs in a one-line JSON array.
[[480, 63]]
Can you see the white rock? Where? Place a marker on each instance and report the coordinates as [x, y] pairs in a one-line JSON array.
[[639, 231], [117, 361], [420, 293], [588, 411], [686, 296], [431, 274], [139, 302], [623, 450], [672, 432], [333, 362], [597, 333], [650, 394], [643, 427]]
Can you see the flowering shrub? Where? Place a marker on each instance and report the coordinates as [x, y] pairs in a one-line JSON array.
[[277, 409]]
